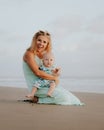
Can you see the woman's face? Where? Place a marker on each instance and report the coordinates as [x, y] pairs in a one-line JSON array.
[[41, 42]]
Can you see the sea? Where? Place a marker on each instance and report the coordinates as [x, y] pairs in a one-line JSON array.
[[76, 84]]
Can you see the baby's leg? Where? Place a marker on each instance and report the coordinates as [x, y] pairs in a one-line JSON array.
[[31, 95], [51, 89]]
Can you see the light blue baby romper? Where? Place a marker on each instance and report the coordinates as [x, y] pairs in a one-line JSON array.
[[60, 95], [44, 82]]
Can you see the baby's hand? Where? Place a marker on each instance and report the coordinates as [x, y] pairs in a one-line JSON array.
[[56, 71]]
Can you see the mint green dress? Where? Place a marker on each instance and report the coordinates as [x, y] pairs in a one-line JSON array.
[[60, 95]]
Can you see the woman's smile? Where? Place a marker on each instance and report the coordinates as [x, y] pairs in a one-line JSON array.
[[42, 42]]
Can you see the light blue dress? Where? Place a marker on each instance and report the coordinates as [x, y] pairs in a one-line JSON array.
[[60, 95]]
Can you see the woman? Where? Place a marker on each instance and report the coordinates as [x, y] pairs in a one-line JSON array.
[[32, 59]]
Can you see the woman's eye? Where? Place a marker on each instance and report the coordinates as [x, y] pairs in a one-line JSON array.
[[44, 42], [39, 40]]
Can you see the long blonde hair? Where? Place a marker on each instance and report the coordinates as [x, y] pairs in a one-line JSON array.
[[33, 43]]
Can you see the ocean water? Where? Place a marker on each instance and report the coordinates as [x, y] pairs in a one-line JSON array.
[[92, 85]]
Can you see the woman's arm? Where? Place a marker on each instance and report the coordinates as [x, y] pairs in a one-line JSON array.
[[29, 59]]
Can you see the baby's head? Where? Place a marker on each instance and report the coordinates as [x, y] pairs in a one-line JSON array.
[[48, 59]]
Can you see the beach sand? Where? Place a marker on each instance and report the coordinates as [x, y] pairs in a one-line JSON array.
[[17, 115]]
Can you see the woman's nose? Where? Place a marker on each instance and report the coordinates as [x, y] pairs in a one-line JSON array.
[[41, 42]]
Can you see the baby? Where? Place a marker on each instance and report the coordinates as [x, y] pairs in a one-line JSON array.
[[47, 66]]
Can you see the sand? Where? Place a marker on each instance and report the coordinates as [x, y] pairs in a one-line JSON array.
[[17, 115]]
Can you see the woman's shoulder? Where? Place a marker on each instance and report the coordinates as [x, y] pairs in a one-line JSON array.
[[31, 56], [28, 54]]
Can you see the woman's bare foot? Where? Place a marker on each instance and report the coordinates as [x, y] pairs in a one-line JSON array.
[[35, 99]]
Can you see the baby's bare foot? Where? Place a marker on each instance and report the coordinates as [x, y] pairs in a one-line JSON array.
[[30, 96], [49, 95]]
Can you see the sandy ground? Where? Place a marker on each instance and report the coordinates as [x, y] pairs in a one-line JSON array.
[[18, 115]]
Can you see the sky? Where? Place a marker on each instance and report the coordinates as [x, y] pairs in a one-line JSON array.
[[76, 27]]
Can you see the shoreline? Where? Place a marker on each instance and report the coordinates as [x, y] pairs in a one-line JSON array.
[[19, 115], [74, 91]]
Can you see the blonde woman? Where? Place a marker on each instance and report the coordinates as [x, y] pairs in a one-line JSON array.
[[32, 59]]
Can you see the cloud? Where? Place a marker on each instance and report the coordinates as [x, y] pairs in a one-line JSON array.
[[66, 48], [11, 37], [12, 44], [65, 25], [97, 25]]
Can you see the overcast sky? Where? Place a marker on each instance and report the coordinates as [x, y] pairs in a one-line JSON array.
[[76, 26]]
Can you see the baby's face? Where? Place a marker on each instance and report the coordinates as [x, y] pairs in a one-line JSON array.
[[48, 60]]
